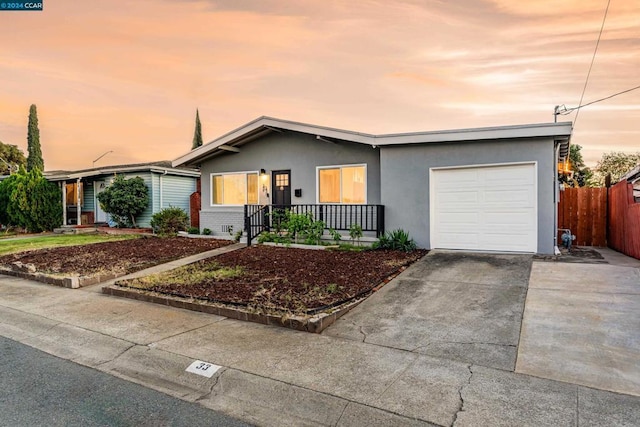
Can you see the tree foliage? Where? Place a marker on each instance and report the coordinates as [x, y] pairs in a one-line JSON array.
[[6, 188], [197, 134], [12, 155], [615, 163], [34, 159], [581, 173], [30, 201], [125, 199]]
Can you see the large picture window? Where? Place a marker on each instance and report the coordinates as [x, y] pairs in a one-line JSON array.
[[234, 188], [342, 184]]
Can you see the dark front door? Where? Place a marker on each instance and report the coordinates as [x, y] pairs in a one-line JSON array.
[[281, 182]]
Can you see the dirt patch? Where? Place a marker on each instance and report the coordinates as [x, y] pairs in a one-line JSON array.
[[576, 254], [119, 257], [281, 279]]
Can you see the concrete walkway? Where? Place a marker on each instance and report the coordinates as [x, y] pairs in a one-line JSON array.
[[274, 376], [582, 324]]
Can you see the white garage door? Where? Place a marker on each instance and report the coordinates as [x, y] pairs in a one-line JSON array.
[[485, 208]]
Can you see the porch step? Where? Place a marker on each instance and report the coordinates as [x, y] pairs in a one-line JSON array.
[[75, 230]]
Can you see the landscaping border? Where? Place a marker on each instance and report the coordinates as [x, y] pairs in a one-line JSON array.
[[72, 282]]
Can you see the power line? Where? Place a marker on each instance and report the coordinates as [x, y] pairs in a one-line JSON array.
[[593, 58], [564, 111]]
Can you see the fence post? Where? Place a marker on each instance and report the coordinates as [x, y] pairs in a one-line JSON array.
[[380, 218]]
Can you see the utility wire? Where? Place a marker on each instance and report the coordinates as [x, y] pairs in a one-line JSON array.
[[584, 89], [566, 111]]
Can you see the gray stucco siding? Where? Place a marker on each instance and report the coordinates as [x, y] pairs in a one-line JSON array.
[[405, 180], [300, 153]]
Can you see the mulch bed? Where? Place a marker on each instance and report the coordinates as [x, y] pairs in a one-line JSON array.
[[120, 257], [293, 280]]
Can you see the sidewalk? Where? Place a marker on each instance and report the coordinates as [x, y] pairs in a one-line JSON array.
[[274, 376]]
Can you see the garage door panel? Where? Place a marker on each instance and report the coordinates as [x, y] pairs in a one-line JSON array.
[[460, 218], [462, 240], [455, 198], [516, 197], [485, 208], [508, 220]]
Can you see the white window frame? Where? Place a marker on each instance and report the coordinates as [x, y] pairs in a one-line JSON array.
[[366, 179], [246, 189]]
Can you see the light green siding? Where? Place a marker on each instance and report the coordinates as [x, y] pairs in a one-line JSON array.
[[176, 191], [88, 199]]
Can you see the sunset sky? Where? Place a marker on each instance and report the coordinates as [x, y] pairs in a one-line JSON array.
[[128, 76]]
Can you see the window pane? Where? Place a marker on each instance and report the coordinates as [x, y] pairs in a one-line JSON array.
[[216, 190], [252, 188], [235, 189], [353, 185], [329, 183]]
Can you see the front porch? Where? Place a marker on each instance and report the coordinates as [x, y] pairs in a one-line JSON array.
[[339, 217]]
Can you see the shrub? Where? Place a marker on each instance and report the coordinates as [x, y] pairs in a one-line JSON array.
[[396, 240], [355, 232], [193, 230], [335, 235], [206, 231], [169, 221], [34, 202], [125, 199]]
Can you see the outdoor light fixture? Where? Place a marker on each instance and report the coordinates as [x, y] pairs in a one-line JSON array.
[[263, 172]]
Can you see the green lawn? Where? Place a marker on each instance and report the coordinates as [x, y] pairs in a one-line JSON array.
[[30, 243]]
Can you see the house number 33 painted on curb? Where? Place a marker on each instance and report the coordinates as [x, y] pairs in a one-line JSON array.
[[203, 368]]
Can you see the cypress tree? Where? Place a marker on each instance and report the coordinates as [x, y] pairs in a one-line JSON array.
[[34, 159], [197, 135]]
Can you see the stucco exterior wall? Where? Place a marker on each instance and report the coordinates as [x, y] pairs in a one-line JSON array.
[[298, 152], [405, 180]]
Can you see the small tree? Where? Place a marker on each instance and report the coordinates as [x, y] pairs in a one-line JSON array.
[[125, 199], [34, 159], [197, 134], [11, 158], [581, 173], [34, 202]]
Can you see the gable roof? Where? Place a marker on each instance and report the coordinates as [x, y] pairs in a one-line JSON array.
[[262, 126], [163, 166]]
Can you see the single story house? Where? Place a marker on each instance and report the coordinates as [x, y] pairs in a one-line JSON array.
[[168, 186], [492, 188], [633, 177]]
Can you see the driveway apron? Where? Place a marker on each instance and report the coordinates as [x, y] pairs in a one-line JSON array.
[[460, 306]]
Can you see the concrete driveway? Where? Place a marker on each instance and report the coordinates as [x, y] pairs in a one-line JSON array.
[[582, 324], [460, 306]]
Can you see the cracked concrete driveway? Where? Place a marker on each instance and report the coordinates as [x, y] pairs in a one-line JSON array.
[[460, 306]]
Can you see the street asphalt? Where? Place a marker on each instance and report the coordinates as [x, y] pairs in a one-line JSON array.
[[37, 389], [349, 376]]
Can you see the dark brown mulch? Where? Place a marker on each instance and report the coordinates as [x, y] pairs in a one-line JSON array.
[[123, 256], [297, 280]]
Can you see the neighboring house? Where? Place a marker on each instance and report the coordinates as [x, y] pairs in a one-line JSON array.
[[168, 186], [489, 188], [633, 178]]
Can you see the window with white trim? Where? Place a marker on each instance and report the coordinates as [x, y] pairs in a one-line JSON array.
[[342, 184], [234, 188]]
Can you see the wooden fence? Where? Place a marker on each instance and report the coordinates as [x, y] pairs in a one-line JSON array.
[[584, 211], [624, 220]]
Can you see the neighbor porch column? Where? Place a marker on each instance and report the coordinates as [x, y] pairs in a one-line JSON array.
[[79, 213], [64, 202]]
